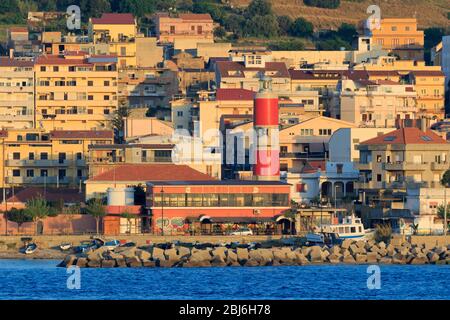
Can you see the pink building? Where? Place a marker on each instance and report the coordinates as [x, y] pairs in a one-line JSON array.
[[184, 26]]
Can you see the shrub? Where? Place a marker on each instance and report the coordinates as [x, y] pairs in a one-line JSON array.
[[328, 4], [383, 232], [302, 28]]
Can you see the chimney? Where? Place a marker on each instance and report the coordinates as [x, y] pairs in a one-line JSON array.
[[423, 124]]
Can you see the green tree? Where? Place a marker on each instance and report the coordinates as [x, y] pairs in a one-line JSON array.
[[302, 28], [9, 6], [38, 209], [139, 195], [96, 208], [261, 26], [220, 32], [118, 121], [18, 216], [347, 32], [258, 8], [285, 24], [441, 210], [329, 4]]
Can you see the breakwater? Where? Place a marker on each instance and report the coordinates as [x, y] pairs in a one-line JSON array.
[[208, 255]]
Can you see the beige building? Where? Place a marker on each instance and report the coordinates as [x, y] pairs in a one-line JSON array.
[[16, 93], [76, 91], [376, 103], [404, 158]]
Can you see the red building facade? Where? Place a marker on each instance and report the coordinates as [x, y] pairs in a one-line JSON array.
[[219, 207]]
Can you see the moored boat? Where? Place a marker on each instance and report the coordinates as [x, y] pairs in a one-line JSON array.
[[351, 227], [31, 248]]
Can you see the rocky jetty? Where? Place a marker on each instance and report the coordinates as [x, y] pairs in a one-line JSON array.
[[349, 252]]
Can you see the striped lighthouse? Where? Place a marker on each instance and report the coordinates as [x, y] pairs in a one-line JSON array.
[[265, 124]]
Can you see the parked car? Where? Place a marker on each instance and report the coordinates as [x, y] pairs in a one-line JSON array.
[[242, 232]]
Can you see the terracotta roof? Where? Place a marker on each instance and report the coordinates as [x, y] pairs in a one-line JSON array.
[[225, 67], [114, 18], [82, 134], [409, 135], [18, 29], [313, 166], [428, 73], [7, 62], [51, 194], [151, 172], [234, 94], [327, 74], [195, 16], [51, 59]]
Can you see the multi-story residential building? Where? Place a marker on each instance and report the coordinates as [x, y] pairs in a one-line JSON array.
[[117, 34], [16, 93], [399, 36], [307, 140], [186, 28], [147, 87], [376, 103], [75, 91], [19, 43], [430, 88], [404, 158], [103, 157], [247, 74], [38, 157]]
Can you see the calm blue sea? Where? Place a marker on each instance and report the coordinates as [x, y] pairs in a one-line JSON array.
[[41, 279]]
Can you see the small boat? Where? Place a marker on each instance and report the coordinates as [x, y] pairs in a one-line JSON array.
[[321, 238], [128, 244], [31, 248], [350, 228], [111, 245], [65, 246]]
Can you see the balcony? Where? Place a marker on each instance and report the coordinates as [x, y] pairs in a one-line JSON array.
[[440, 166], [365, 166], [406, 166], [39, 180], [38, 163]]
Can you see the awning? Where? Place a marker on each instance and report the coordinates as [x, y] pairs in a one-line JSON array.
[[248, 220]]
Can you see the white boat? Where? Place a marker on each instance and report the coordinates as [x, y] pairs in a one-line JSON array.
[[65, 246], [350, 228], [30, 248]]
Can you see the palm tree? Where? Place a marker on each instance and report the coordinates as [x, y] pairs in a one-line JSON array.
[[96, 208], [38, 209]]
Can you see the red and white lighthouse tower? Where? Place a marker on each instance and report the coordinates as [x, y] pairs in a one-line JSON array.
[[265, 124]]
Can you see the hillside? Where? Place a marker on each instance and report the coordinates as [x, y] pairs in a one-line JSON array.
[[430, 13]]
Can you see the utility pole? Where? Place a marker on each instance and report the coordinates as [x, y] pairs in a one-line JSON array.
[[162, 211]]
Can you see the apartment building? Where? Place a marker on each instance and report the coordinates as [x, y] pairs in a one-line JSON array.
[[376, 103], [430, 88], [117, 34], [75, 90], [16, 93], [185, 27], [149, 87], [399, 36], [404, 158], [38, 157]]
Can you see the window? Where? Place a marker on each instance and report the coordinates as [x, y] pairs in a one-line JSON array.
[[172, 29], [79, 173], [16, 173], [31, 156], [44, 156], [90, 83], [106, 83], [43, 68], [79, 156], [16, 155], [179, 113], [105, 111], [55, 69], [378, 158], [339, 168], [61, 173], [379, 177], [44, 173], [90, 97], [30, 173], [106, 97]]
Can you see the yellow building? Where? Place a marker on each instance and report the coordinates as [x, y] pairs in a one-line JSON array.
[[399, 36], [16, 93], [430, 88], [75, 91], [117, 34], [37, 157]]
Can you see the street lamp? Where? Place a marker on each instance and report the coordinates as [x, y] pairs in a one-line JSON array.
[[162, 211]]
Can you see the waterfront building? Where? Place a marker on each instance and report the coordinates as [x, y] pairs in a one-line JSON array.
[[16, 94], [76, 90], [218, 207], [38, 157]]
